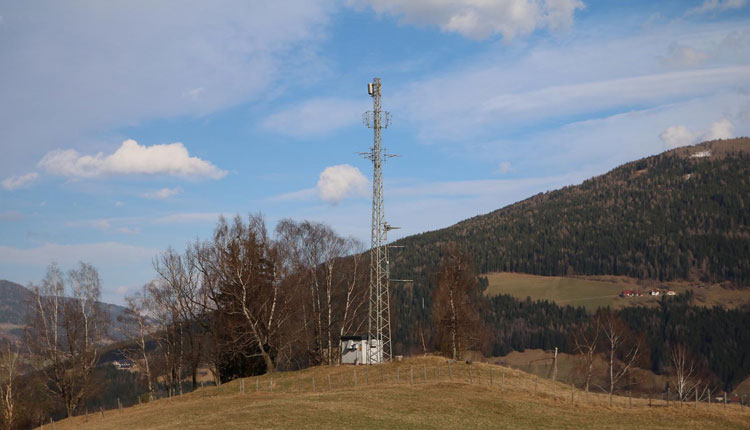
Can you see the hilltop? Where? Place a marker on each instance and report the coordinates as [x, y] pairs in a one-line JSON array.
[[408, 395], [679, 215]]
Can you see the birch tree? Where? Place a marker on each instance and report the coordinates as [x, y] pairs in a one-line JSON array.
[[685, 371], [623, 349], [66, 327], [9, 369], [454, 304], [136, 327], [586, 340]]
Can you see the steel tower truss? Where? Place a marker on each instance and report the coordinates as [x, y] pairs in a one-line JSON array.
[[379, 323]]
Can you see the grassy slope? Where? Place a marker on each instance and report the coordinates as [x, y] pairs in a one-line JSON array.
[[592, 292], [397, 404]]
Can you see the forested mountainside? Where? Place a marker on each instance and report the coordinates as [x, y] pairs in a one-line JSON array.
[[682, 214]]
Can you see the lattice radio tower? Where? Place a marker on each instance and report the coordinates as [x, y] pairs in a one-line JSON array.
[[379, 324]]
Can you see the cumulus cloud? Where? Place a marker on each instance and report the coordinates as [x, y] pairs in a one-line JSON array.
[[16, 182], [315, 117], [679, 135], [713, 6], [338, 182], [129, 159], [163, 193], [480, 19]]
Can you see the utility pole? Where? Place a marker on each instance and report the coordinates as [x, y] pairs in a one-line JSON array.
[[379, 322]]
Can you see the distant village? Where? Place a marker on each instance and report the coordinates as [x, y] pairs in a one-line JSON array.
[[652, 292]]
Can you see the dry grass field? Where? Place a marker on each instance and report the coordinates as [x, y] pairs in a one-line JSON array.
[[593, 292], [406, 395]]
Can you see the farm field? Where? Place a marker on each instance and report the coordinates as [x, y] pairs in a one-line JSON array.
[[409, 394], [593, 292]]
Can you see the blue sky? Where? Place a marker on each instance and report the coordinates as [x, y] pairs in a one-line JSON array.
[[127, 127]]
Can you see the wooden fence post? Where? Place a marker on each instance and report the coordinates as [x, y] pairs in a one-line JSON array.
[[725, 399], [450, 372], [572, 394], [398, 374], [270, 384], [52, 423], [502, 384], [536, 383], [630, 399], [411, 375], [709, 397], [101, 412]]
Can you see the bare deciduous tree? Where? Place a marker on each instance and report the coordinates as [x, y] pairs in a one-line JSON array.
[[685, 371], [136, 327], [622, 349], [66, 328], [239, 275], [453, 308], [329, 267], [586, 341], [9, 366]]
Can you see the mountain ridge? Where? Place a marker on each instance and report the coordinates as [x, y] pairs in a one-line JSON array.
[[675, 215]]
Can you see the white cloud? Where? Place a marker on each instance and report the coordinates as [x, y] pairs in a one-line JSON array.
[[183, 58], [480, 19], [713, 6], [130, 158], [189, 217], [316, 117], [679, 55], [163, 193], [11, 216], [679, 135], [16, 182], [338, 182], [94, 253]]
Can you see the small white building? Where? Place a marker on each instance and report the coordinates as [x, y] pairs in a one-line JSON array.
[[360, 349]]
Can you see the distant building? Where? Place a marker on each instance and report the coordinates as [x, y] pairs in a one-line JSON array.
[[360, 349], [124, 364], [655, 292], [671, 293]]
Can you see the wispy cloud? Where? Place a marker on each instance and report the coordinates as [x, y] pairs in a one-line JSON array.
[[163, 193], [714, 6], [188, 217], [16, 182], [482, 19], [11, 216], [315, 117], [131, 159], [70, 254]]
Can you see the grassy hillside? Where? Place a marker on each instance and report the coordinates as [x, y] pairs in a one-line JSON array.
[[601, 291], [680, 215], [394, 402]]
